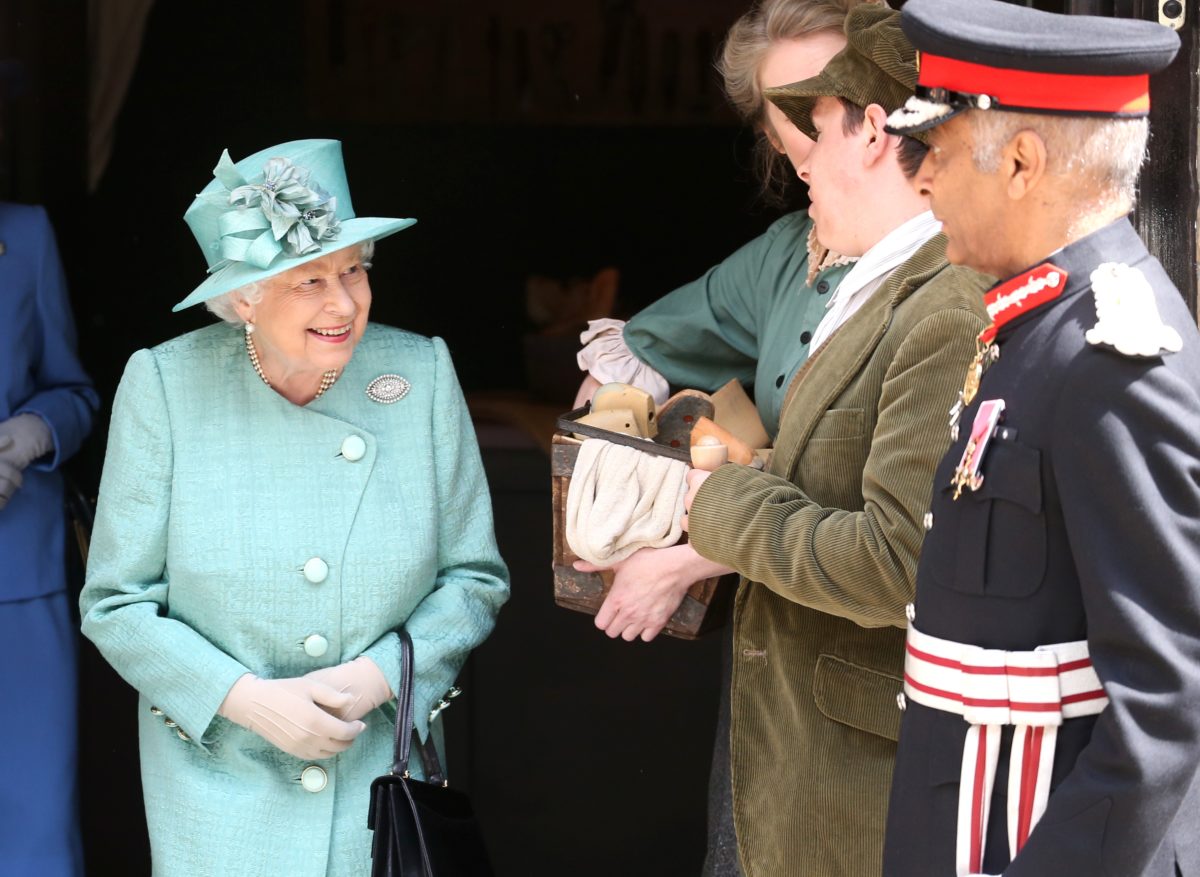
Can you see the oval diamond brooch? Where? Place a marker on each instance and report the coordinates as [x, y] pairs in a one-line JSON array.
[[387, 389]]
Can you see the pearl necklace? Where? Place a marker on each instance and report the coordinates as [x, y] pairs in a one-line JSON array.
[[327, 379]]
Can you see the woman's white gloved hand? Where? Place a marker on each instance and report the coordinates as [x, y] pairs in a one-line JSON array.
[[294, 715], [362, 680]]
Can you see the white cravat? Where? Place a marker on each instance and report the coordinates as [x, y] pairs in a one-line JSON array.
[[869, 272]]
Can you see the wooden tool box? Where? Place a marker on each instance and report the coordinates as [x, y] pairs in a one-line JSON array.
[[706, 606]]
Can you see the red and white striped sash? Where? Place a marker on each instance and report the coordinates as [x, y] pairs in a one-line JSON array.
[[990, 688]]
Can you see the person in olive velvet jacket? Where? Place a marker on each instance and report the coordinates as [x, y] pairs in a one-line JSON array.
[[827, 539]]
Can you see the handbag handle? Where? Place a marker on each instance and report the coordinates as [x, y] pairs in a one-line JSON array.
[[406, 732]]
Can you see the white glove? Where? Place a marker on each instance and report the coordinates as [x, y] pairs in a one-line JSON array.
[[10, 475], [362, 680], [30, 438], [293, 715]]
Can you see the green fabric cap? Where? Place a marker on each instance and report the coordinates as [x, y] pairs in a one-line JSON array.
[[878, 66]]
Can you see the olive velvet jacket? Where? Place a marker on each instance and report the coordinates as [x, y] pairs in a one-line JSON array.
[[827, 540]]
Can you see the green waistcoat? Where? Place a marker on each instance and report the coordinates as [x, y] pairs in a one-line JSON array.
[[751, 317]]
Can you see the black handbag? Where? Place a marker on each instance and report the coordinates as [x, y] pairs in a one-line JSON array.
[[422, 829]]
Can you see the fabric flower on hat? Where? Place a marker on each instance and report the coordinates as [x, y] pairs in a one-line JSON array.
[[286, 213]]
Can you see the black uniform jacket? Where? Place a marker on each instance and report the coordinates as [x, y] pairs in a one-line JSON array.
[[1087, 525]]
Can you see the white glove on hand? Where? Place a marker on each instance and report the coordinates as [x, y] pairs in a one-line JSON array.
[[362, 680], [30, 438], [10, 475], [294, 715]]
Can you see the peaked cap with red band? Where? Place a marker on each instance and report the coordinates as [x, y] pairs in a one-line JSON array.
[[990, 55]]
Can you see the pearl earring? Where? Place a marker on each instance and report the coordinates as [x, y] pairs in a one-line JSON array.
[[249, 328]]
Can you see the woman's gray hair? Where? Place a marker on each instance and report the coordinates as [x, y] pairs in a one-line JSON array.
[[746, 45], [1108, 151], [224, 306]]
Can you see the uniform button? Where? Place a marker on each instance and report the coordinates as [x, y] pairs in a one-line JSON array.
[[901, 702], [354, 448], [928, 521], [805, 337], [170, 723], [823, 287], [314, 779], [316, 645], [910, 612], [316, 570], [155, 711], [182, 736], [779, 381]]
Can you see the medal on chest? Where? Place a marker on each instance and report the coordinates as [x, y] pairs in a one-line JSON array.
[[1005, 302], [966, 473]]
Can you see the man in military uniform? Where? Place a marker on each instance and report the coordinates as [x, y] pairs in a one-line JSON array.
[[1052, 675]]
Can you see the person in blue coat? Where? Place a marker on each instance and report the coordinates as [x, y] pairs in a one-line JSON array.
[[46, 408], [282, 492]]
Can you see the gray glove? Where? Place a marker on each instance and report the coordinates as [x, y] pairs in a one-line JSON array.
[[31, 438], [10, 475]]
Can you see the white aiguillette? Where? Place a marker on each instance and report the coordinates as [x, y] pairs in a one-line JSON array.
[[1127, 317], [622, 397]]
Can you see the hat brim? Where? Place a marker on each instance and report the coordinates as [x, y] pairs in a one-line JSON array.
[[919, 115], [798, 99], [237, 274]]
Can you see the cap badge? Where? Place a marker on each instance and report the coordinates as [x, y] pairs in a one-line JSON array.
[[916, 112], [387, 389], [1127, 317]]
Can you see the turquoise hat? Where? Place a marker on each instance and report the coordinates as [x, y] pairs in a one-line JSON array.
[[277, 209]]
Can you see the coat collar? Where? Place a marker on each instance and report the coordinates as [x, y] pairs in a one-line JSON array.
[[848, 350]]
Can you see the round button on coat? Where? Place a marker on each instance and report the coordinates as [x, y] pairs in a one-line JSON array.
[[314, 779], [354, 448], [316, 570], [316, 645]]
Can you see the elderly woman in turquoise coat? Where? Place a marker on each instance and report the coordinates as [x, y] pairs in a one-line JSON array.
[[284, 491]]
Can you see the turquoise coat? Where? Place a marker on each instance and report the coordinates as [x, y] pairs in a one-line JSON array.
[[216, 494]]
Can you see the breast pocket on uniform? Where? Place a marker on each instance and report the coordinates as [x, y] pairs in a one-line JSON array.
[[999, 543]]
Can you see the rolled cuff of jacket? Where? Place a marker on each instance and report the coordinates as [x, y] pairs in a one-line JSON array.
[[607, 358], [194, 713], [68, 415]]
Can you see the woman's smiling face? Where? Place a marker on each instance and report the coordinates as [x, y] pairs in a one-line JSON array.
[[311, 317]]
